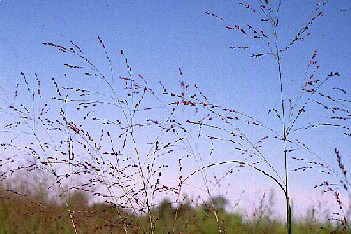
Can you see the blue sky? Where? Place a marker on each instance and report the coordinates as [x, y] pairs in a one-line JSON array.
[[158, 37]]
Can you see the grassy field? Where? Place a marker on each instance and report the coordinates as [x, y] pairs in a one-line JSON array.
[[24, 210], [129, 139]]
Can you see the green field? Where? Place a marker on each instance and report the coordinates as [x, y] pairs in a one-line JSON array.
[[24, 210]]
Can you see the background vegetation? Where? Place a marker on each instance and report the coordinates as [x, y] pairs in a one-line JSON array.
[[26, 207]]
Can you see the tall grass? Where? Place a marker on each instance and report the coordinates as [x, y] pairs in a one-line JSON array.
[[291, 110], [127, 143], [28, 211]]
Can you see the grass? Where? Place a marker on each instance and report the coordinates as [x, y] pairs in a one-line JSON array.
[[121, 144], [34, 213]]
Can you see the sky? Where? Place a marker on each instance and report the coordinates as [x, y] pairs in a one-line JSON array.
[[159, 37]]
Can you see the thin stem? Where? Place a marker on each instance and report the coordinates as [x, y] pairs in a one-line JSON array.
[[287, 198]]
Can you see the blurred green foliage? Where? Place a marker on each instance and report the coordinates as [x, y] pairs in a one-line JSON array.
[[31, 210]]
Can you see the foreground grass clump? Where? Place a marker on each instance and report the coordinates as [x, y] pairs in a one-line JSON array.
[[29, 210], [123, 139]]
